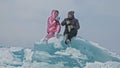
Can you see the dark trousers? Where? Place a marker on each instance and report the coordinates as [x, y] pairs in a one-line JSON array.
[[70, 34]]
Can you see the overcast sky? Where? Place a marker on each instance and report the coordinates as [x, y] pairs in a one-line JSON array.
[[22, 22]]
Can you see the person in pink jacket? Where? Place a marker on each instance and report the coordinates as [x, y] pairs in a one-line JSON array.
[[53, 25]]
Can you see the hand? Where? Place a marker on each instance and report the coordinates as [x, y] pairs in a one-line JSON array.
[[67, 22], [57, 18], [71, 26]]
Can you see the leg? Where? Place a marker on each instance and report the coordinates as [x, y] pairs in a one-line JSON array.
[[72, 34], [50, 34], [58, 28], [66, 36]]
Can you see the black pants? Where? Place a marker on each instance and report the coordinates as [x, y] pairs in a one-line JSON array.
[[70, 34]]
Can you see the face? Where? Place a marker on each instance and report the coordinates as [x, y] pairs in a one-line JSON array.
[[69, 16], [56, 14]]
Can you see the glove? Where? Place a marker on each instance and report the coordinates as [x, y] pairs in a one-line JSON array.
[[57, 18], [67, 22]]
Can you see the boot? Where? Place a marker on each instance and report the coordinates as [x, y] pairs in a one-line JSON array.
[[68, 42], [45, 41]]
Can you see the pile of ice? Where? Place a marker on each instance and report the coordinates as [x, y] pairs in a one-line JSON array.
[[55, 54]]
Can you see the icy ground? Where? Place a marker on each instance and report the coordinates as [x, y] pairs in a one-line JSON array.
[[55, 54]]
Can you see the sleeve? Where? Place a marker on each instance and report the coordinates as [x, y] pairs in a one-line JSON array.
[[63, 22], [51, 22], [58, 27], [77, 25]]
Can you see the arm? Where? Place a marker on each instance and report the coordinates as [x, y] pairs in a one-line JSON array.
[[58, 27], [64, 22], [51, 22], [77, 25]]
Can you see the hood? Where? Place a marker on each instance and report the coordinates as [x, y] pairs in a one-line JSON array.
[[53, 13], [71, 13]]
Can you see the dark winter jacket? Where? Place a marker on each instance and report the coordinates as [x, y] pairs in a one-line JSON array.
[[74, 22]]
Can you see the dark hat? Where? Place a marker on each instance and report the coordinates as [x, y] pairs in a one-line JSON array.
[[71, 13]]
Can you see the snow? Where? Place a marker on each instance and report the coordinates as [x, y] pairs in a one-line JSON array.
[[72, 52], [28, 54], [55, 54], [97, 45], [103, 65], [42, 65], [56, 42], [5, 56], [14, 49]]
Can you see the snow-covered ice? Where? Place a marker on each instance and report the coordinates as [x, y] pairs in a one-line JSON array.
[[55, 54]]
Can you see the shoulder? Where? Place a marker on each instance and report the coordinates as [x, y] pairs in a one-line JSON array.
[[65, 19], [75, 19], [49, 18]]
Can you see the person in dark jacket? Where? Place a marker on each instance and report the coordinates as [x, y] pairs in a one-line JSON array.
[[71, 27]]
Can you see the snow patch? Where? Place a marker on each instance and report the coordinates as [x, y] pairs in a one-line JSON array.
[[56, 41], [103, 65], [96, 45], [74, 53], [14, 49], [43, 65], [42, 55], [28, 54], [5, 56]]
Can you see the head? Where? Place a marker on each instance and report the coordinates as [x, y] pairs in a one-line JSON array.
[[55, 13], [71, 14]]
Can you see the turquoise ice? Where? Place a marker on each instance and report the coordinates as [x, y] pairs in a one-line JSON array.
[[55, 54]]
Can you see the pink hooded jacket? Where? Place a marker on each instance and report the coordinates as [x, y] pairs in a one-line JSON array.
[[53, 26]]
